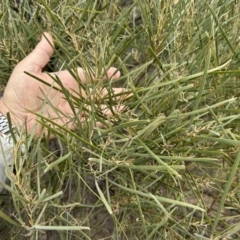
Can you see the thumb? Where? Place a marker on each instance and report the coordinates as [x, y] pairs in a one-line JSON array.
[[39, 57]]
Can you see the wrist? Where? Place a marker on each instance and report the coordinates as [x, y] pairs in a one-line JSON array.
[[3, 109], [22, 122], [8, 132], [4, 124]]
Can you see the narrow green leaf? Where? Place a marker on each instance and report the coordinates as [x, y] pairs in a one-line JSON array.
[[103, 199]]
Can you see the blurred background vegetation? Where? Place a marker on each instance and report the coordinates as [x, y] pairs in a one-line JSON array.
[[167, 167]]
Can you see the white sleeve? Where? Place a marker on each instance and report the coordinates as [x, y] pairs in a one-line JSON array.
[[6, 157]]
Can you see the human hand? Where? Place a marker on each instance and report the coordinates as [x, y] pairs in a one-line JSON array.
[[24, 95]]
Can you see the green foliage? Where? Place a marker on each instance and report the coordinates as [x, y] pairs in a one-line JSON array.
[[167, 167]]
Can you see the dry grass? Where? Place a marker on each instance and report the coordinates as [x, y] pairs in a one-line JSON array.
[[168, 168]]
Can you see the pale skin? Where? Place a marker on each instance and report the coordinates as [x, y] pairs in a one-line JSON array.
[[23, 95]]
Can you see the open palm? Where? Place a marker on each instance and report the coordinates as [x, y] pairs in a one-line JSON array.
[[25, 97]]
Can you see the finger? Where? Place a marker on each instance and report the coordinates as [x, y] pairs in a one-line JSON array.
[[106, 95], [67, 120], [103, 108], [105, 123], [65, 75], [114, 111], [39, 57], [117, 93], [93, 75], [113, 73], [68, 79]]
